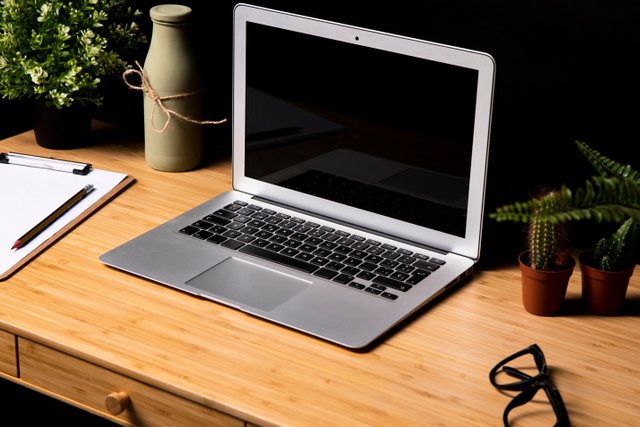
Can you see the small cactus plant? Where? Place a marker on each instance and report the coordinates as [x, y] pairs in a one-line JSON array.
[[616, 252], [546, 238], [611, 196]]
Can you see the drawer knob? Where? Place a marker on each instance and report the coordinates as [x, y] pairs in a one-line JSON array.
[[117, 402]]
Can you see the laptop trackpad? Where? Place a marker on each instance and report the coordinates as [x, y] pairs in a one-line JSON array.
[[248, 284]]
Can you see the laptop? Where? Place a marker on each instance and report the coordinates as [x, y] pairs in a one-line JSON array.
[[357, 203]]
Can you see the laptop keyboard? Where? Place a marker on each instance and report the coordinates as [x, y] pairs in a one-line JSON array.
[[347, 259]]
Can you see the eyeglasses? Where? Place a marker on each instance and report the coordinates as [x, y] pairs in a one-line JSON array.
[[529, 385]]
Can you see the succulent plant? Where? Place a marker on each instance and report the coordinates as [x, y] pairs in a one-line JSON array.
[[611, 196], [546, 238], [616, 252]]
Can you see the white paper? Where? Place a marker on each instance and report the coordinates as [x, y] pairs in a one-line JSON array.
[[28, 195]]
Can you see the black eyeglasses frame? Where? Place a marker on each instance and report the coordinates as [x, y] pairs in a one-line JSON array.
[[529, 385]]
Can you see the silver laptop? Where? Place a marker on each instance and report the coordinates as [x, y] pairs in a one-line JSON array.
[[359, 170]]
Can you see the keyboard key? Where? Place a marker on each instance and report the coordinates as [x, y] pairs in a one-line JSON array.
[[406, 259], [354, 262], [389, 296], [233, 207], [202, 234], [351, 271], [365, 275], [361, 246], [426, 265], [390, 255], [375, 250], [290, 252], [368, 266], [343, 279], [325, 273], [276, 247], [217, 219], [260, 242], [385, 281], [246, 238], [319, 261], [189, 229], [234, 226], [217, 239], [333, 265], [225, 213], [404, 268], [205, 225], [305, 256], [232, 244], [232, 234], [279, 258], [417, 277]]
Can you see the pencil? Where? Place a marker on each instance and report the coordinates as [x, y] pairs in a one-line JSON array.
[[29, 235]]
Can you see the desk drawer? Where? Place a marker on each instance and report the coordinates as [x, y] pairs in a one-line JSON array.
[[97, 387], [8, 363]]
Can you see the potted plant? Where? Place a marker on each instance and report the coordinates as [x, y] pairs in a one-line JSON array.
[[59, 53], [606, 270], [611, 196], [545, 266]]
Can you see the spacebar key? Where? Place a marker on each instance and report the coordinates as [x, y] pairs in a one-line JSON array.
[[276, 257]]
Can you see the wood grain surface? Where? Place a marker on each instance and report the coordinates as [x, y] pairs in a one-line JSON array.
[[432, 371]]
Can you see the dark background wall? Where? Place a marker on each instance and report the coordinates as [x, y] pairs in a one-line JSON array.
[[565, 71]]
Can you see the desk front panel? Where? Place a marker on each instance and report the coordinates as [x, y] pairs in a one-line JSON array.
[[87, 384], [8, 357]]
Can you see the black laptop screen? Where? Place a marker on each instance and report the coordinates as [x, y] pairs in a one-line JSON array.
[[380, 131]]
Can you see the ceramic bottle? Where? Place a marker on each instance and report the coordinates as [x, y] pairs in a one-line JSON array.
[[173, 75]]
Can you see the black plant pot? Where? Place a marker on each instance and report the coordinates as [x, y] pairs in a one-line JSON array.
[[62, 129]]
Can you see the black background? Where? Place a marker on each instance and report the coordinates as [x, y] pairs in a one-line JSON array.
[[565, 71]]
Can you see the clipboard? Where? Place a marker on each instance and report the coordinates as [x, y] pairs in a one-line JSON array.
[[26, 179]]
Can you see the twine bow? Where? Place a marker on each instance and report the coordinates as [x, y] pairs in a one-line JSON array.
[[158, 101]]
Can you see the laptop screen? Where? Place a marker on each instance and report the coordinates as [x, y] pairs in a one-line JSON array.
[[381, 131]]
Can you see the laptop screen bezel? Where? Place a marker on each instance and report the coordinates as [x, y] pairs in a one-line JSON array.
[[483, 63]]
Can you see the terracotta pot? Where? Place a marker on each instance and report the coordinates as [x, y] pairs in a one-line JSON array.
[[63, 128], [543, 292], [603, 292]]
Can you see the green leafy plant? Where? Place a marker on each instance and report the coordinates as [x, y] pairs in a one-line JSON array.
[[60, 51], [611, 196]]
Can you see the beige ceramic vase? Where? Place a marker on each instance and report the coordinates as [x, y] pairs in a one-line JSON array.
[[173, 74]]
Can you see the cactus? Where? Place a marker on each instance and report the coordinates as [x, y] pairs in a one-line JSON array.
[[546, 237], [613, 195], [616, 252]]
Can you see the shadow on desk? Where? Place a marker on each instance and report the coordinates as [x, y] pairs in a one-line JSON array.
[[43, 410], [575, 307]]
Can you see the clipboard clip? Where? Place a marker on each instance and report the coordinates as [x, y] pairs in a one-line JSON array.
[[59, 165]]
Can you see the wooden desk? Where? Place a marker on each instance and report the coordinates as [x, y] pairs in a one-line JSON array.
[[75, 329]]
